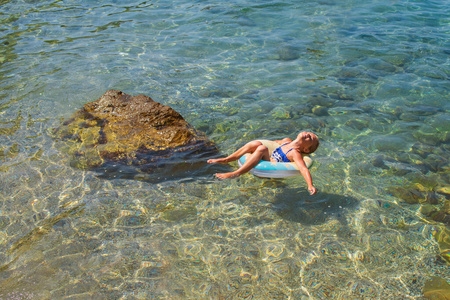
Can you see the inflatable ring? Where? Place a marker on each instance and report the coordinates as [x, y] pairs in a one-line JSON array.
[[270, 169]]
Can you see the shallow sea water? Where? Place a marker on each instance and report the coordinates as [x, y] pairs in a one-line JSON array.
[[370, 78]]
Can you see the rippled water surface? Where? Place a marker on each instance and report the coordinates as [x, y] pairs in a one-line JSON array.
[[371, 78]]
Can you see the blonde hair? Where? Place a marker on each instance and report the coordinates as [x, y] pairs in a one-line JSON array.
[[314, 147]]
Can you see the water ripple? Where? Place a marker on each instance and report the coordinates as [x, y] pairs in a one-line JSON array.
[[371, 79]]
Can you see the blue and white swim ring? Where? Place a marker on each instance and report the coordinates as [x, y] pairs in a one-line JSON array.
[[274, 169]]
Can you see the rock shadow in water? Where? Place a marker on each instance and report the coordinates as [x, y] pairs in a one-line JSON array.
[[298, 206], [175, 168]]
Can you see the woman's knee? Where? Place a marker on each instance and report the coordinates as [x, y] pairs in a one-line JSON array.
[[252, 146], [262, 148], [255, 144]]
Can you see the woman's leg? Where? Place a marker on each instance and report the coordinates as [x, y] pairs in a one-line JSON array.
[[250, 147], [260, 153]]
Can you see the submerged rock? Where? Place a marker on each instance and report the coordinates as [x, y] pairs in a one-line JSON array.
[[436, 288], [443, 214], [357, 124], [444, 190], [411, 196], [130, 130], [393, 143], [320, 111], [379, 162], [442, 237], [321, 100]]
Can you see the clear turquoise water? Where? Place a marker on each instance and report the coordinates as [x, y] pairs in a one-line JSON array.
[[371, 79]]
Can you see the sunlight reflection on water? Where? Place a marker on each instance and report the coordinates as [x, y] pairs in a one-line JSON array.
[[370, 79]]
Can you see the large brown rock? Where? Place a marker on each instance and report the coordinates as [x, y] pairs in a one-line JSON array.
[[132, 130]]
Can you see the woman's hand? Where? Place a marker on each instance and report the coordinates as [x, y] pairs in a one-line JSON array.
[[312, 190]]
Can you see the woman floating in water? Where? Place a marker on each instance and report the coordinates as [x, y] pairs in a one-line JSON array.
[[288, 151]]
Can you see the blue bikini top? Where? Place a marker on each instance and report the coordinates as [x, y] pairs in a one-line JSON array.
[[279, 155]]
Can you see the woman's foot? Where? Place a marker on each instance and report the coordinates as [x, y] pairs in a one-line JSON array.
[[217, 160], [227, 175]]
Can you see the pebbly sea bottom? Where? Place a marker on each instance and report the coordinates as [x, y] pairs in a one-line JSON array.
[[370, 79]]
